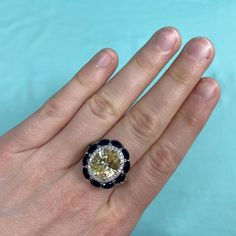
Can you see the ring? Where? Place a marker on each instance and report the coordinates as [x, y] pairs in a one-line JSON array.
[[106, 163]]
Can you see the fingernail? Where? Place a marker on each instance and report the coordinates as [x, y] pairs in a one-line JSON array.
[[103, 59], [199, 49], [166, 39], [206, 89]]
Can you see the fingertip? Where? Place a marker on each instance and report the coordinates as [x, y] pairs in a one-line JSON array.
[[104, 59], [171, 29], [208, 89], [178, 35], [214, 83], [113, 54], [175, 30], [200, 49], [167, 39], [210, 45]]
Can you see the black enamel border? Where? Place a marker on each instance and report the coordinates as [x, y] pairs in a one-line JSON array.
[[103, 142], [116, 144], [119, 179], [92, 148], [85, 159]]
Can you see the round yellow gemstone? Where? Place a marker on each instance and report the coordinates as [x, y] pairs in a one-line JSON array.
[[105, 164]]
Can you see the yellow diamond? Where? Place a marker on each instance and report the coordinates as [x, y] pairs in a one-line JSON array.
[[105, 164]]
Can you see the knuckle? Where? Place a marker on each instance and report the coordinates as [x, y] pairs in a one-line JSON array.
[[143, 124], [145, 62], [161, 161], [179, 75], [101, 106], [51, 108]]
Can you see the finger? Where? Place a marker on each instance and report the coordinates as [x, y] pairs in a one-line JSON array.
[[59, 110], [103, 109], [145, 122], [152, 171]]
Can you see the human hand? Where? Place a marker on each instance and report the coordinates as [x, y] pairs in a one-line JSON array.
[[43, 190]]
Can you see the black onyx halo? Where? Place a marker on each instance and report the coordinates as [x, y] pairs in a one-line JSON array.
[[106, 163]]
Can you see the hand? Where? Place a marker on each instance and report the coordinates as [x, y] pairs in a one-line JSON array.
[[43, 190]]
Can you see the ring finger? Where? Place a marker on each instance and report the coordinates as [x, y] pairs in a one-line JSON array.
[[150, 116]]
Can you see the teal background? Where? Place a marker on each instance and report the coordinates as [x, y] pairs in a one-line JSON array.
[[43, 43]]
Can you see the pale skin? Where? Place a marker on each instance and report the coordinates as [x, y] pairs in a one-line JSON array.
[[43, 191]]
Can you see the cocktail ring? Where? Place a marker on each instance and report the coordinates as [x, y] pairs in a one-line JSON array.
[[106, 163]]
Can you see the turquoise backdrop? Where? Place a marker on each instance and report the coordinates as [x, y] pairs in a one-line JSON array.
[[43, 43]]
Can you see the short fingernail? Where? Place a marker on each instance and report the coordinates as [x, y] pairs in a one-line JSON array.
[[199, 49], [103, 59], [166, 39], [206, 89]]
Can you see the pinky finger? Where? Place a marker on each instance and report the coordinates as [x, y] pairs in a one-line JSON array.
[[152, 171]]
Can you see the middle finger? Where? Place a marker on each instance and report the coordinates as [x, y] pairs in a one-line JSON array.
[[147, 120]]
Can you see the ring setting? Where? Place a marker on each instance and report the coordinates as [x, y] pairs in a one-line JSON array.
[[106, 163]]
